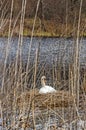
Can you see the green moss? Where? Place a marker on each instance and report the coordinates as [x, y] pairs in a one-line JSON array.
[[25, 32], [84, 34]]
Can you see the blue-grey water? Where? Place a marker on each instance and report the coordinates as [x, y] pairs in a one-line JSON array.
[[51, 49]]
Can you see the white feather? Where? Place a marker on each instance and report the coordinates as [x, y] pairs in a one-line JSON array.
[[47, 89]]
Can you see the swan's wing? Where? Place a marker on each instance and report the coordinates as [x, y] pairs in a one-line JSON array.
[[47, 89], [50, 89], [43, 90]]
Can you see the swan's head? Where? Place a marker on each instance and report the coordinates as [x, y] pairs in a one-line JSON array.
[[43, 80]]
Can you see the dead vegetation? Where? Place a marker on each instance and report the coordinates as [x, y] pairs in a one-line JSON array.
[[21, 105]]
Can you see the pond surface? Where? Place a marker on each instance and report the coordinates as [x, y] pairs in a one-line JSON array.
[[50, 49]]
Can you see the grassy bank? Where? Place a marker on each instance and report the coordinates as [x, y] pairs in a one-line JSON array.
[[45, 28]]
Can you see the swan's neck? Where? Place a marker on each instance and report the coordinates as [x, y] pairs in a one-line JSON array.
[[43, 83]]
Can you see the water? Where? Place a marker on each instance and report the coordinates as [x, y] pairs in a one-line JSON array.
[[51, 49]]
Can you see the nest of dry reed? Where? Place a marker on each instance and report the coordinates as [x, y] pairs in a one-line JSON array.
[[51, 100]]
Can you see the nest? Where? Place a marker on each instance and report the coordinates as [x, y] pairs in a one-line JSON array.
[[28, 101], [51, 100]]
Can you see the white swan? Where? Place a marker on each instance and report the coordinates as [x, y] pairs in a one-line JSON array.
[[45, 88]]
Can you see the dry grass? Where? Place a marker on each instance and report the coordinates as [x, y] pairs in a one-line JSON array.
[[21, 104]]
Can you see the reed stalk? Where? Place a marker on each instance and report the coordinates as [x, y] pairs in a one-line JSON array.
[[21, 105]]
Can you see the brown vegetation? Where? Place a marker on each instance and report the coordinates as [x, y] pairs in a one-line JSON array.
[[20, 103], [28, 103], [55, 18]]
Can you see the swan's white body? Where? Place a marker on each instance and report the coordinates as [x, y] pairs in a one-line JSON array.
[[45, 88]]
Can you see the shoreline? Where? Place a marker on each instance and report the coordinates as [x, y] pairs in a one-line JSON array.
[[43, 36], [49, 28]]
